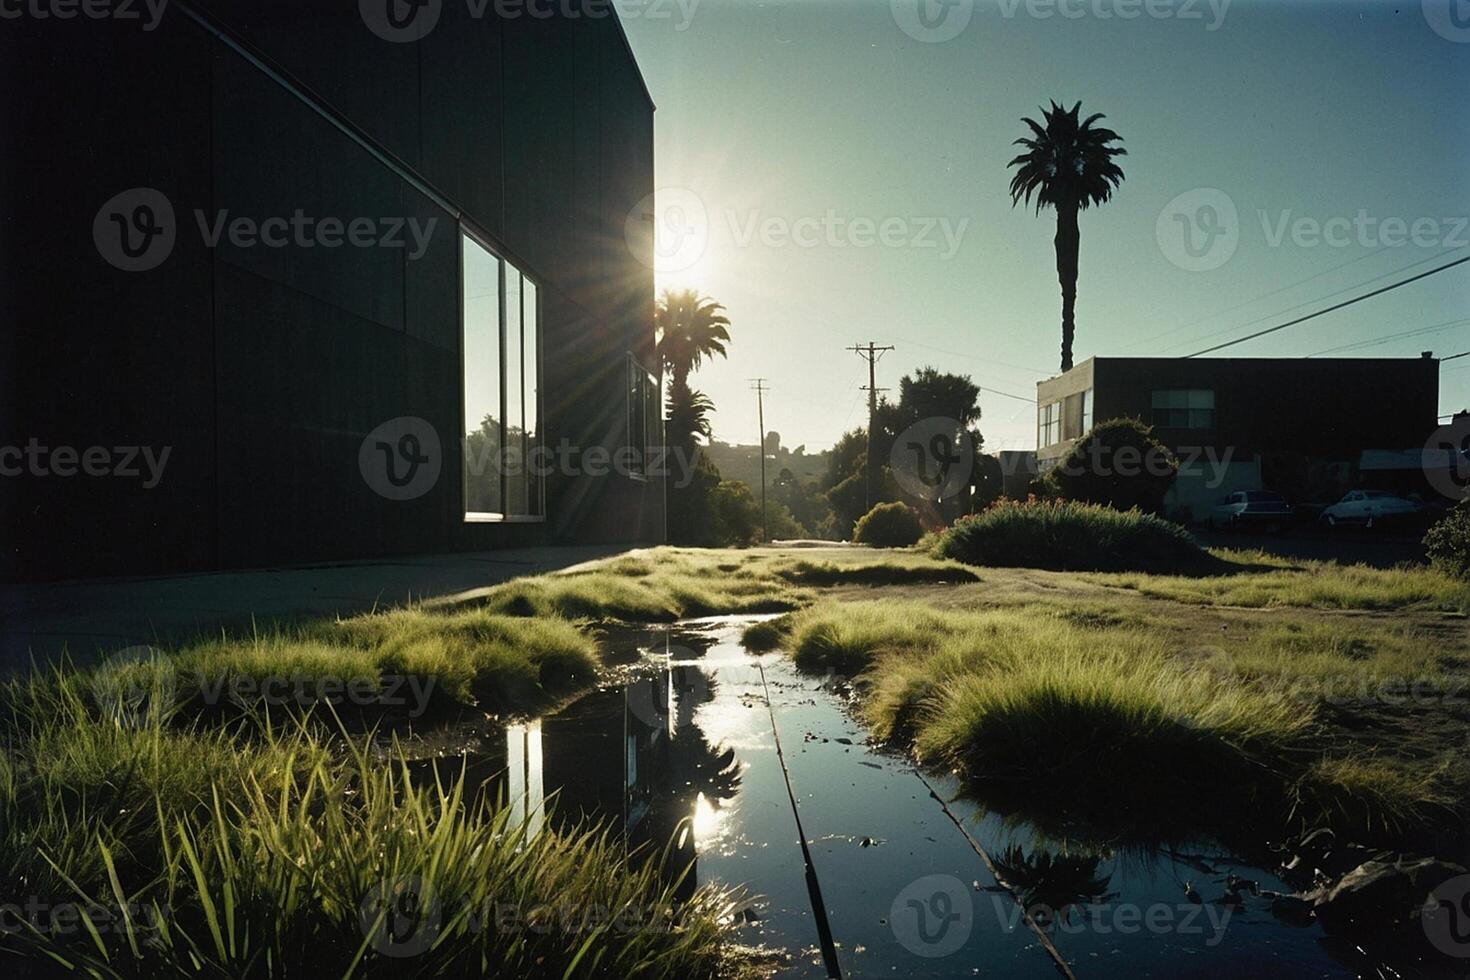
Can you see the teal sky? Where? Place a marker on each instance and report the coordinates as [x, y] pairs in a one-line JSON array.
[[782, 111]]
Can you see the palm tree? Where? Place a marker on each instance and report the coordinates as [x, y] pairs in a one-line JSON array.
[[1068, 166], [691, 328], [688, 416]]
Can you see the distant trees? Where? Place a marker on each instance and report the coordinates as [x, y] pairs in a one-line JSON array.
[[1068, 165], [928, 393]]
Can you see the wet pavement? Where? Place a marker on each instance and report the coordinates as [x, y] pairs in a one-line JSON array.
[[684, 749]]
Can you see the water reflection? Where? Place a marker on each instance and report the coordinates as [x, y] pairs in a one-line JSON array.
[[631, 756]]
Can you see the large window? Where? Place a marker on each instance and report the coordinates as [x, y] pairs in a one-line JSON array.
[[1184, 408], [502, 388], [1049, 425], [1087, 411], [645, 417]]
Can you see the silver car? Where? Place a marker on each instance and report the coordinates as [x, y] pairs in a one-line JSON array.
[[1252, 508], [1367, 506]]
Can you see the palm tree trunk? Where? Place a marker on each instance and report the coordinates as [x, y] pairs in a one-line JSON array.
[[1066, 245]]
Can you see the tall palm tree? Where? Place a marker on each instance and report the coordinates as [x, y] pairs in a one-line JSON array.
[[691, 328], [688, 416], [1069, 166]]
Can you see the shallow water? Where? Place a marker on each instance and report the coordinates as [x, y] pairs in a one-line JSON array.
[[684, 749]]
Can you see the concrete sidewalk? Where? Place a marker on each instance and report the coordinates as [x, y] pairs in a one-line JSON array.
[[89, 619]]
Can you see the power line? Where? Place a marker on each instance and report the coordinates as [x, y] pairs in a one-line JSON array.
[[1336, 292], [1377, 341], [1330, 309], [1454, 356], [1007, 394]]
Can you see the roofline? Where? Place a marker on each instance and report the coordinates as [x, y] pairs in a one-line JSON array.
[[628, 47]]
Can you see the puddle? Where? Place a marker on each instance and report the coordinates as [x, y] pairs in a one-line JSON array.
[[682, 748]]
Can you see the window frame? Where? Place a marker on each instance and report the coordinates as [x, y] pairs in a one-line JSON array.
[[1167, 415], [536, 491], [638, 471]]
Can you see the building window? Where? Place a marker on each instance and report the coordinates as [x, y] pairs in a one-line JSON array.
[[502, 388], [1049, 425], [1184, 408], [645, 418], [1087, 411]]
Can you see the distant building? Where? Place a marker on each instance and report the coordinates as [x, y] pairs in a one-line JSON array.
[[445, 262], [1299, 426]]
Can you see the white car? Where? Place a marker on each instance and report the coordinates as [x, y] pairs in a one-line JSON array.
[[1252, 508], [1367, 506]]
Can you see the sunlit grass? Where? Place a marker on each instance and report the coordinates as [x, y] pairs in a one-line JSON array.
[[1316, 585]]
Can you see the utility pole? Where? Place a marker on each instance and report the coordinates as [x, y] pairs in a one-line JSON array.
[[872, 353], [760, 402]]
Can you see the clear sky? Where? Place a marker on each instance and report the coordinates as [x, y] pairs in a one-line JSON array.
[[842, 165]]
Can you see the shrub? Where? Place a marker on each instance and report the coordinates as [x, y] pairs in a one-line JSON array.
[[1118, 463], [891, 525], [1065, 535], [1448, 541]]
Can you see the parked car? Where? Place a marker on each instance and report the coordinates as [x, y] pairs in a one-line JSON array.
[[1252, 508], [1367, 507]]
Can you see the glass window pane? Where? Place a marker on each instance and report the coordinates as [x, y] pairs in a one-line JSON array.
[[531, 334], [1201, 399], [481, 380], [515, 415]]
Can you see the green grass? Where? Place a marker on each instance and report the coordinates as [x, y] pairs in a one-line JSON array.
[[1313, 585], [667, 584], [252, 850], [1065, 535], [1103, 714]]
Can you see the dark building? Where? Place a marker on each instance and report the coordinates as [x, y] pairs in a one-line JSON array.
[[1295, 425], [299, 280]]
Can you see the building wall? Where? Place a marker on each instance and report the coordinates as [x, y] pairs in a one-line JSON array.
[[261, 370]]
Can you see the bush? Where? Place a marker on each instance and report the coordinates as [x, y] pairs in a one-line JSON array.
[[1065, 535], [1118, 463], [892, 525], [1448, 541]]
